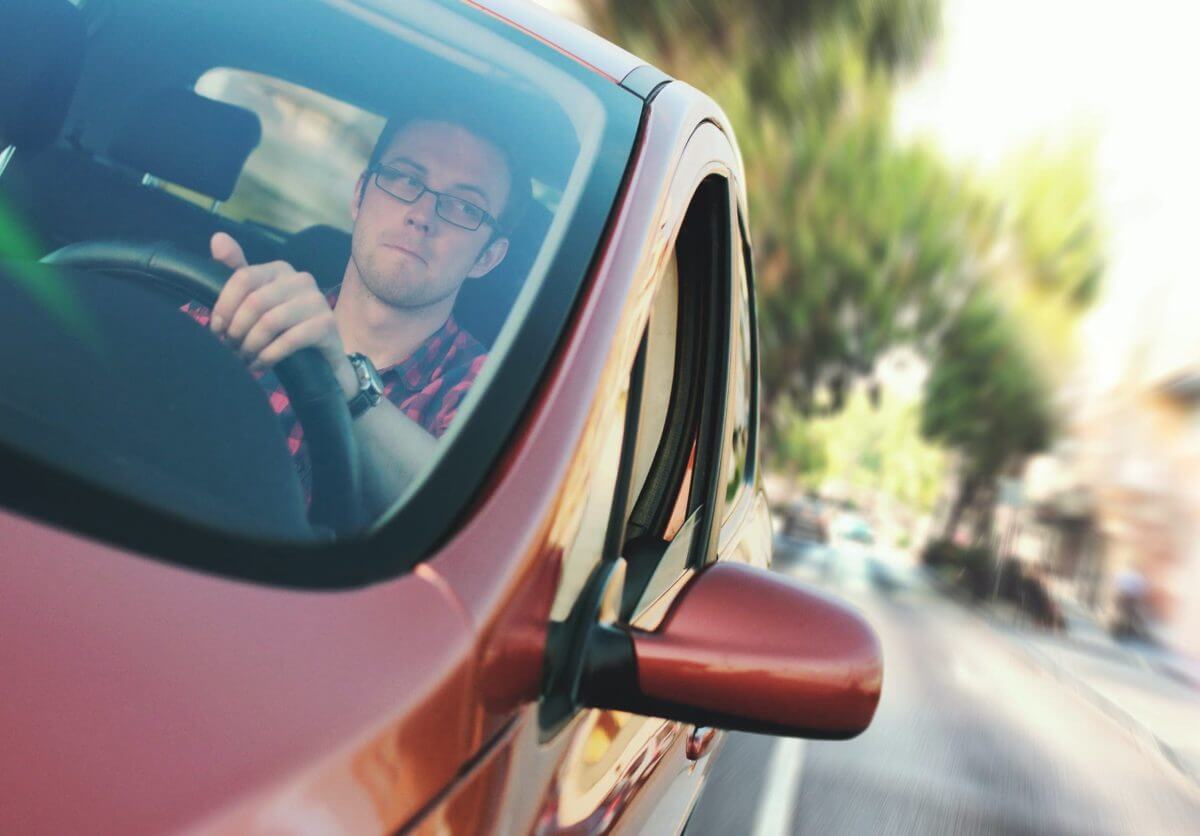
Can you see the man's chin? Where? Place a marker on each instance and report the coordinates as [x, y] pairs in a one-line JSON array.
[[404, 293]]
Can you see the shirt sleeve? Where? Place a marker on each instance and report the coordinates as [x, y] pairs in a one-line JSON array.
[[198, 312]]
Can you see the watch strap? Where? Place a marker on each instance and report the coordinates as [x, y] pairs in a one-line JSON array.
[[360, 403]]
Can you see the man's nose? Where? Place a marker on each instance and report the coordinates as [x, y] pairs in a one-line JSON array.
[[422, 211]]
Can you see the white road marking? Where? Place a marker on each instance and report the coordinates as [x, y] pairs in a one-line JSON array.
[[778, 802]]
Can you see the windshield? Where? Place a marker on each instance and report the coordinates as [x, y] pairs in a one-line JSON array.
[[389, 186]]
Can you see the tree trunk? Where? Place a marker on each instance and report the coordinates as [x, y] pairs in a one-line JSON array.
[[966, 494], [986, 516]]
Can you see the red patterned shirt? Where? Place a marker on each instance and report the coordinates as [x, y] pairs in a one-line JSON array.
[[427, 386]]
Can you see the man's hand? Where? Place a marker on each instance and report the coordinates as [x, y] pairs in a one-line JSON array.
[[270, 311]]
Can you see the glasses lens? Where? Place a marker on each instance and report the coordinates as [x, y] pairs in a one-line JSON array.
[[459, 212], [400, 185]]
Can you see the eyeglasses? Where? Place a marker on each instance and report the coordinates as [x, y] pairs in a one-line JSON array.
[[408, 189]]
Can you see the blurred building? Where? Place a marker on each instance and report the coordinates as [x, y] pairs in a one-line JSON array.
[[1124, 491]]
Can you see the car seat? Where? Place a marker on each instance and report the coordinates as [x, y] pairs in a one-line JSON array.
[[67, 194]]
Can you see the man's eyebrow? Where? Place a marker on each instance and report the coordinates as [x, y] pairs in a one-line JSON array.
[[467, 187], [406, 161]]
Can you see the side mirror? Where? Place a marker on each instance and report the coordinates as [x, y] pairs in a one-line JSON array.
[[742, 648]]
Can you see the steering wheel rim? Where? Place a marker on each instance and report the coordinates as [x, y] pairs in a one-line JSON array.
[[312, 389]]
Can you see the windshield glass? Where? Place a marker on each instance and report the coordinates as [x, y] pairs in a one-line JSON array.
[[384, 188]]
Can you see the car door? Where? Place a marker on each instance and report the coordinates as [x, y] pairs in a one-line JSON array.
[[624, 770]]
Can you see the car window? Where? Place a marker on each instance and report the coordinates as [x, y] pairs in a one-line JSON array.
[[671, 496], [195, 118]]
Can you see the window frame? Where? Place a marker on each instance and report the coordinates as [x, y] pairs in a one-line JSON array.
[[743, 273]]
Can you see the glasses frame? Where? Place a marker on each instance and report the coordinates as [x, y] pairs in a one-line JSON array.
[[379, 168]]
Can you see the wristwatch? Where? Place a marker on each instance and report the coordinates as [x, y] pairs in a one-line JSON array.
[[370, 385]]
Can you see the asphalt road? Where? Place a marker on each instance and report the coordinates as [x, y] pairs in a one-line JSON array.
[[970, 737]]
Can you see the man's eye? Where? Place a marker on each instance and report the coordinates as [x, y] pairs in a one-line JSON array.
[[467, 210], [398, 180]]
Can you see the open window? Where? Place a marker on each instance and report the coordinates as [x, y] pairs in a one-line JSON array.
[[682, 366], [651, 499]]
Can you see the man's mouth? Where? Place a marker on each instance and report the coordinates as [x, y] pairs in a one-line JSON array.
[[406, 251]]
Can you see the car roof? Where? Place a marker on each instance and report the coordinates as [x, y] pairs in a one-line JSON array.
[[567, 37]]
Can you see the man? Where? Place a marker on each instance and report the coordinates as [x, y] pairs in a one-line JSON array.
[[427, 217]]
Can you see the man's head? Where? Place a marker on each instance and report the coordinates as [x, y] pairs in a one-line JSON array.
[[414, 254]]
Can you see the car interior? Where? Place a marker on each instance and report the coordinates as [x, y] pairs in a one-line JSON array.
[[99, 109]]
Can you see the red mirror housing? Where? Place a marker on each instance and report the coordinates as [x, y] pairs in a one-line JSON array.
[[746, 649]]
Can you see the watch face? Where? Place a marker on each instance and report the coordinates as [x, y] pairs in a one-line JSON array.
[[369, 381]]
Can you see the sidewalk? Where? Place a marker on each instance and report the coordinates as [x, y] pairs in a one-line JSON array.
[[1151, 692]]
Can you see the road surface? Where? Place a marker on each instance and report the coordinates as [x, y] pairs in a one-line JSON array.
[[971, 736]]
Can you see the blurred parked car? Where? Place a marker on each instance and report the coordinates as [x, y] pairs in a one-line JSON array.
[[853, 528], [543, 632], [805, 520]]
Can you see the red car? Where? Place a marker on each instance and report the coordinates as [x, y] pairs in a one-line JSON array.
[[207, 623]]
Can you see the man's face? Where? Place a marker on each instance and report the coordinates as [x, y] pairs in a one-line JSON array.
[[406, 254]]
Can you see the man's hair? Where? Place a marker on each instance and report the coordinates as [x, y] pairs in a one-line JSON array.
[[487, 126]]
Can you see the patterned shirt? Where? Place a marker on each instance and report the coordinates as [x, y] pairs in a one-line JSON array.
[[427, 386]]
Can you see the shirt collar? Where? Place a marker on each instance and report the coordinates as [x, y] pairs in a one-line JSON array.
[[417, 369]]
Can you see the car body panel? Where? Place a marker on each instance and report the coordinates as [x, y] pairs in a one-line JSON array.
[[220, 689], [569, 38]]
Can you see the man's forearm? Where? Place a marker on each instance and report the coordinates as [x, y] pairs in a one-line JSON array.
[[392, 448]]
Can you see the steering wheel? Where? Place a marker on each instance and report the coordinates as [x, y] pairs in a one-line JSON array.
[[311, 387]]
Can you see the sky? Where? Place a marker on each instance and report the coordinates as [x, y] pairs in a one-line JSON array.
[[1015, 72]]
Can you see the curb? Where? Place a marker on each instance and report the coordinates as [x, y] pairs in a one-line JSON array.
[[1141, 734], [1147, 740]]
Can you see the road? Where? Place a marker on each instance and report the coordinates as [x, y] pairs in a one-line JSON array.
[[971, 737]]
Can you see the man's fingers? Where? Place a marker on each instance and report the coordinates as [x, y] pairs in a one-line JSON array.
[[231, 316], [227, 251], [310, 332], [281, 318]]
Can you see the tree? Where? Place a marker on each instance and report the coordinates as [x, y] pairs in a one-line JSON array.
[[986, 400]]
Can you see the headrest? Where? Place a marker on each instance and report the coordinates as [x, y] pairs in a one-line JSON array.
[[41, 50], [321, 250], [484, 304], [186, 139]]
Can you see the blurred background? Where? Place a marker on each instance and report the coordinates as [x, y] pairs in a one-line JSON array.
[[981, 378]]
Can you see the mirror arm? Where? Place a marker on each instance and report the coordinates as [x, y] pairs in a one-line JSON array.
[[609, 670]]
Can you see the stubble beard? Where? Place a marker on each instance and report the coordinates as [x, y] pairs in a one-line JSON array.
[[398, 285]]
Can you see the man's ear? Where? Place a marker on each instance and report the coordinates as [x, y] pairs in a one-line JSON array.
[[492, 255], [359, 192]]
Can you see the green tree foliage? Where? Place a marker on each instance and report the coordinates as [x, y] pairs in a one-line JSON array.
[[986, 399], [1052, 218], [876, 447], [1051, 255]]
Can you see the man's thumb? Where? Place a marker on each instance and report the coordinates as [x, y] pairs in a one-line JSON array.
[[227, 251]]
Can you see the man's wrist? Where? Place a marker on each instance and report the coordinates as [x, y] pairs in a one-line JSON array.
[[346, 377]]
